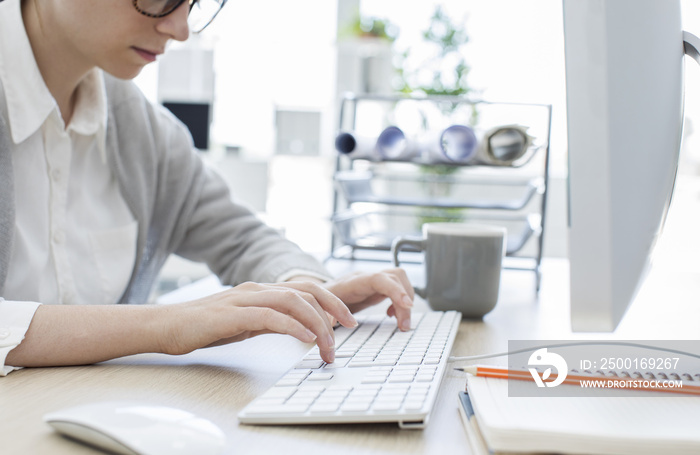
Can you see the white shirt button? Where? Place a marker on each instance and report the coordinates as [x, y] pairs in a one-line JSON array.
[[4, 333]]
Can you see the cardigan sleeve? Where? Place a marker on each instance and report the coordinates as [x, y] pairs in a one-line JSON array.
[[185, 207], [234, 243]]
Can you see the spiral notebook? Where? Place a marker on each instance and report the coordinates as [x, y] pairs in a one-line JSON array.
[[620, 425]]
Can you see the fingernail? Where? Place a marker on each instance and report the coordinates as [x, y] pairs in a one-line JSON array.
[[407, 301], [406, 324], [354, 322], [311, 336], [330, 341]]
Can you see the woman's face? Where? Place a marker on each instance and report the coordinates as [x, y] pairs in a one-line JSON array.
[[110, 34]]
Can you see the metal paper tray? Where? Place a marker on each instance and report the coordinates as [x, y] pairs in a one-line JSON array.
[[376, 230], [483, 194]]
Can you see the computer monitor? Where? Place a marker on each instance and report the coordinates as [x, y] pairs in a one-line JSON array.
[[624, 93], [196, 117]]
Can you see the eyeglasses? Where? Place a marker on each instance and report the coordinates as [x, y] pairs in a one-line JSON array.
[[202, 12]]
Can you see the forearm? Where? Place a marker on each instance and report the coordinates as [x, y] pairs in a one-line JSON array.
[[85, 334]]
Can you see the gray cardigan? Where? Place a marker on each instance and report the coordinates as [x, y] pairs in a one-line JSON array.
[[181, 206]]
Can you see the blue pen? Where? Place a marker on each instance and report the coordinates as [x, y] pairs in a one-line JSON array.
[[476, 440]]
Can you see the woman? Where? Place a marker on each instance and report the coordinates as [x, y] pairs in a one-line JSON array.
[[98, 187]]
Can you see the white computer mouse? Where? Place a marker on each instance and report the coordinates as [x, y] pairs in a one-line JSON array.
[[138, 429]]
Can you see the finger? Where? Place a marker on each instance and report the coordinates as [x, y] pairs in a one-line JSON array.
[[391, 285], [286, 299], [404, 321], [299, 305], [264, 319], [401, 274], [328, 301], [305, 308]]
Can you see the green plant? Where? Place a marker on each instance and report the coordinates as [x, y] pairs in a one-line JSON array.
[[369, 27], [446, 71], [443, 73]]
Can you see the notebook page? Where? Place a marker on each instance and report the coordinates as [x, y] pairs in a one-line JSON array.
[[605, 425]]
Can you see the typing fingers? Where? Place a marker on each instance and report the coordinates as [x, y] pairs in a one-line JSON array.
[[327, 301], [259, 320], [306, 303], [394, 284]]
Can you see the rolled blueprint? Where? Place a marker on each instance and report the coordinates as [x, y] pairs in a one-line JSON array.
[[391, 144], [504, 145], [458, 143], [455, 144], [355, 146]]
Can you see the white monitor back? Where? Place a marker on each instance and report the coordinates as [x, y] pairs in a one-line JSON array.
[[624, 76]]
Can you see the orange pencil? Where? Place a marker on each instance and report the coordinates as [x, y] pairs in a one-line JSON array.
[[628, 383]]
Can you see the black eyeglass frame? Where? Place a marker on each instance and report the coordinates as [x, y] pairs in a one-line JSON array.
[[135, 3]]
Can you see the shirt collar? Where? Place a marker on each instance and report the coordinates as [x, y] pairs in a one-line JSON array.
[[29, 101], [90, 113]]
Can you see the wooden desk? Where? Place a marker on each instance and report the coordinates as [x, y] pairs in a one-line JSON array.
[[217, 383]]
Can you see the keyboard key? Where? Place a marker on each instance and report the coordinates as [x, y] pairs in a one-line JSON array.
[[307, 393], [354, 407], [409, 360], [339, 389], [374, 379], [342, 353], [413, 405], [384, 362], [386, 406], [393, 390], [317, 389], [288, 382], [324, 408], [338, 363], [306, 364], [314, 356], [363, 392], [301, 401], [319, 376]]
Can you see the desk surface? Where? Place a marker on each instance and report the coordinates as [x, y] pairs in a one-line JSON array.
[[216, 383]]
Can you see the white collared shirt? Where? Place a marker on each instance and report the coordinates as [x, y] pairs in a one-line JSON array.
[[75, 237]]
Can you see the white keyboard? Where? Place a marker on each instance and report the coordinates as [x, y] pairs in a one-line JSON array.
[[380, 374]]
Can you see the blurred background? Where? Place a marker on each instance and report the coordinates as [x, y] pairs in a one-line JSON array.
[[260, 89]]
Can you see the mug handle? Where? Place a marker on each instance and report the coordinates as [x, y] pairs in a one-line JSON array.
[[416, 242]]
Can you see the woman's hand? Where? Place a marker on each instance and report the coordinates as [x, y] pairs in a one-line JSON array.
[[361, 290], [84, 334], [302, 309], [296, 308]]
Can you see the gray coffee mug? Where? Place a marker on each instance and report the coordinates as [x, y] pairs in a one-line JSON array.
[[463, 265]]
